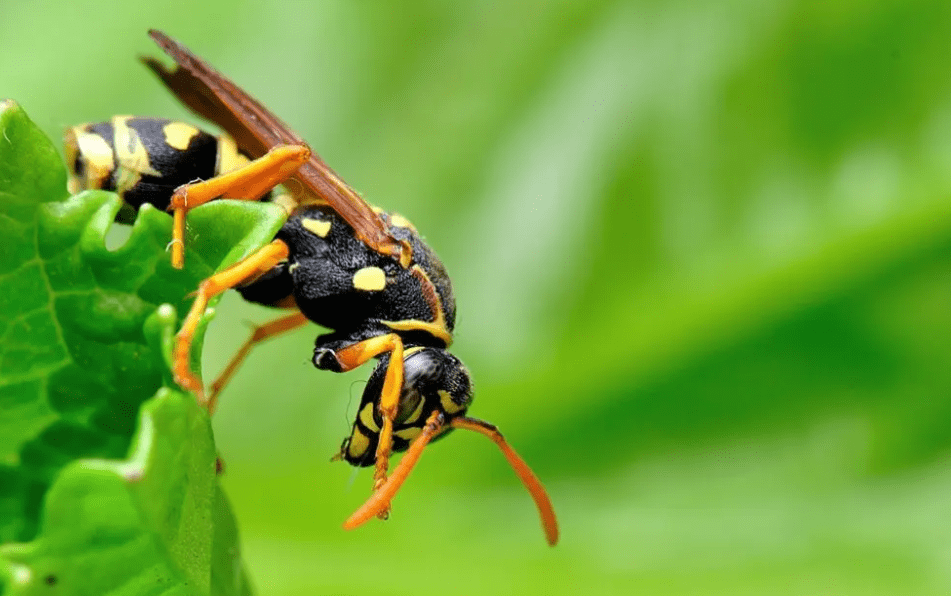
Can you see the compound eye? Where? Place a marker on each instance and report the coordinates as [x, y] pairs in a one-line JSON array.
[[410, 401], [433, 380]]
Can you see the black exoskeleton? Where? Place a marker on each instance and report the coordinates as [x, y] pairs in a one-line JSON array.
[[340, 283]]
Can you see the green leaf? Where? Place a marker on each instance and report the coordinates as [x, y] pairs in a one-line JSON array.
[[144, 525], [85, 340]]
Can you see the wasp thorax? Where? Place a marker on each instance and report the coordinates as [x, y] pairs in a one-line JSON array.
[[433, 380]]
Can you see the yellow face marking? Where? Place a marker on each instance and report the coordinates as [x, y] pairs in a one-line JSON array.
[[448, 405], [369, 279], [95, 153], [409, 433], [401, 222], [179, 135], [316, 226], [366, 417], [358, 444], [131, 154]]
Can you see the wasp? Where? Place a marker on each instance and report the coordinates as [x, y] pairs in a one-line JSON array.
[[364, 274]]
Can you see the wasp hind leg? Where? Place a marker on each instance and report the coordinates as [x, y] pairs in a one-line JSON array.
[[260, 334], [249, 182]]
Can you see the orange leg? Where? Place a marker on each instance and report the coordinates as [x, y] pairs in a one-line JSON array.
[[380, 500], [260, 333], [354, 356], [247, 183], [259, 262]]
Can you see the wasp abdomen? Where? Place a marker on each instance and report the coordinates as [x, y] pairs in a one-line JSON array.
[[144, 160]]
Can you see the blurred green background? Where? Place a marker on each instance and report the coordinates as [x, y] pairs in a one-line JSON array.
[[702, 257]]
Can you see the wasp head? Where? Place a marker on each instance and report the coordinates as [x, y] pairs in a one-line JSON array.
[[433, 381], [436, 393]]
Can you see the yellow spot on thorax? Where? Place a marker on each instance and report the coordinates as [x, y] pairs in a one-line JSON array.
[[369, 279], [179, 135], [316, 226]]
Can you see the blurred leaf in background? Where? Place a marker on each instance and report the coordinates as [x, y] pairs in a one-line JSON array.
[[702, 256]]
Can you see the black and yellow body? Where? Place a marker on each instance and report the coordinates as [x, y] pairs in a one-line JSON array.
[[330, 275], [338, 282], [144, 160], [433, 380], [365, 275]]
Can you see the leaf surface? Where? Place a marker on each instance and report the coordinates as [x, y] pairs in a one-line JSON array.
[[85, 343]]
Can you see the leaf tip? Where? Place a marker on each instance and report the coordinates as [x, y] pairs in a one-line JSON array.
[[8, 104], [18, 574], [166, 312]]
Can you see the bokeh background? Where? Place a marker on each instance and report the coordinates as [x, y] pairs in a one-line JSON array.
[[702, 256]]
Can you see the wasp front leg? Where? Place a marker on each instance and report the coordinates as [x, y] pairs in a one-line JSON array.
[[353, 356], [250, 183]]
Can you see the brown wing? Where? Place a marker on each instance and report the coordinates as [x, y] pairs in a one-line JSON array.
[[256, 130]]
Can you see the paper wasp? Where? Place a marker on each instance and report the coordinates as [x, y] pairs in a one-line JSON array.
[[362, 273]]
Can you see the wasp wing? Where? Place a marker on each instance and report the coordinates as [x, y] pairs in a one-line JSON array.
[[256, 130]]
